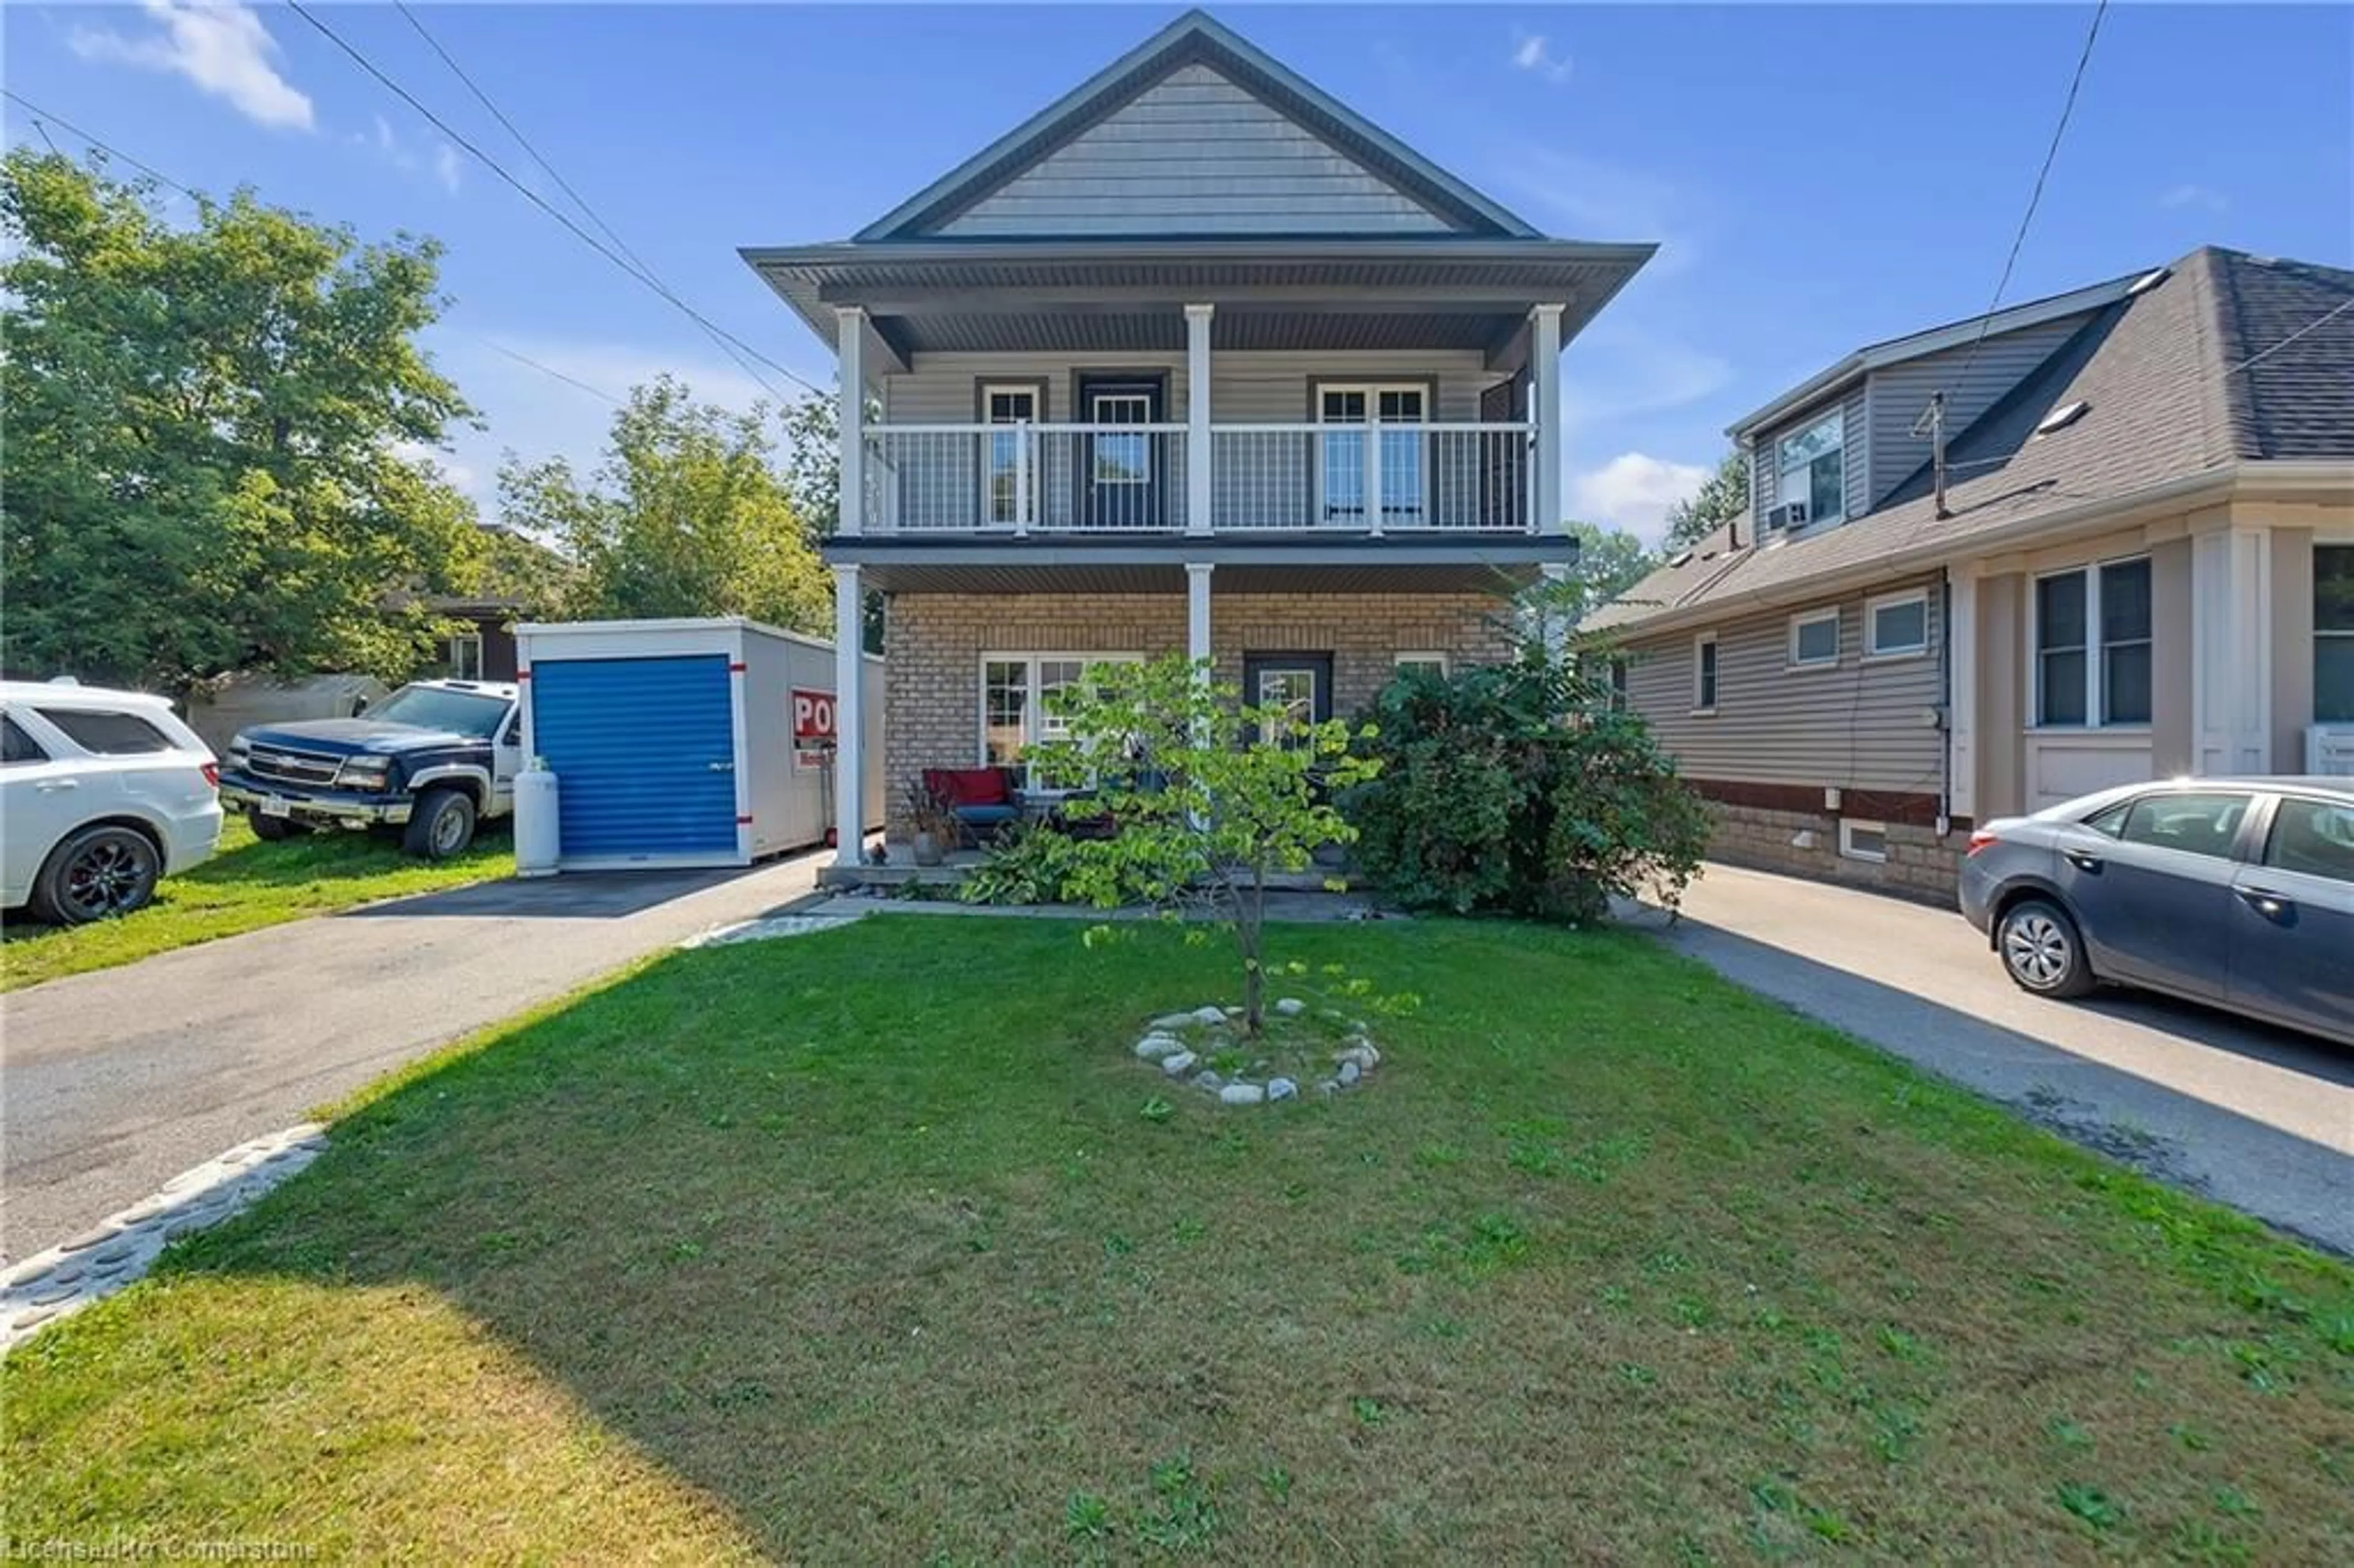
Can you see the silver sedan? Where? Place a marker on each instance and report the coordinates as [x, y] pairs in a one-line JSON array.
[[2234, 891]]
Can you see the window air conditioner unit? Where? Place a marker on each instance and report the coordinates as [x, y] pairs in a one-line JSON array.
[[2329, 749], [1789, 515]]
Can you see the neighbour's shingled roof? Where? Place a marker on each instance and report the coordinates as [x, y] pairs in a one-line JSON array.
[[2232, 358]]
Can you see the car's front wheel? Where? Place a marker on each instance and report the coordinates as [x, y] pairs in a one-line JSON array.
[[440, 825], [97, 872], [270, 830], [2042, 951]]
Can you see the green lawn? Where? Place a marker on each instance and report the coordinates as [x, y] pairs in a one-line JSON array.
[[246, 886], [872, 1247]]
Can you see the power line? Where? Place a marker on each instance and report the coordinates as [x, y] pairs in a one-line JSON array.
[[2314, 325], [152, 173], [564, 184], [168, 182], [2035, 197], [542, 203]]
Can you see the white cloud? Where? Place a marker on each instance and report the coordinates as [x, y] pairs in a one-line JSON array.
[[2194, 194], [446, 166], [1591, 198], [223, 49], [463, 475], [386, 142], [1534, 53], [1615, 371], [1634, 491]]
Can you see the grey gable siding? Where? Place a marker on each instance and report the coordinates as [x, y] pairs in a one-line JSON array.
[[1856, 725], [1195, 154], [1900, 393]]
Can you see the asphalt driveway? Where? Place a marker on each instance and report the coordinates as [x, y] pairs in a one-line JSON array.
[[2257, 1117], [117, 1081]]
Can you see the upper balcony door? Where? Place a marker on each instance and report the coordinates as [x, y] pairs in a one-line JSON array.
[[1343, 471], [1122, 478], [1008, 490]]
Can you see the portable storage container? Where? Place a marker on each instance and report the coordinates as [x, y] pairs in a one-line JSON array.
[[675, 743]]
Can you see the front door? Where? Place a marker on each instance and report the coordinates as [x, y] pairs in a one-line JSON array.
[[1298, 683], [1120, 477]]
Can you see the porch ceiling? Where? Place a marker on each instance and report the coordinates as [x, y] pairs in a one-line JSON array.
[[929, 297], [1347, 564]]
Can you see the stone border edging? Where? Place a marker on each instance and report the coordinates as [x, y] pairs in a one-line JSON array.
[[121, 1248]]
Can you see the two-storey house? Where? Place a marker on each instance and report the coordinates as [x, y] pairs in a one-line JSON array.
[[1195, 360], [2000, 562]]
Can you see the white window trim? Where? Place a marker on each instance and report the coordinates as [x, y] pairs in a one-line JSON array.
[[1846, 844], [1033, 699], [449, 646], [2095, 715], [2323, 634], [1030, 390], [1782, 471], [1425, 656], [1704, 709], [1872, 607], [1372, 391], [1805, 619]]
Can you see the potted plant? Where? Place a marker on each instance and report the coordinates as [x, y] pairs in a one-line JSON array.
[[931, 819]]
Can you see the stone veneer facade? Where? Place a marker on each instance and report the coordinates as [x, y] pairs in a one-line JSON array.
[[935, 643], [1920, 865]]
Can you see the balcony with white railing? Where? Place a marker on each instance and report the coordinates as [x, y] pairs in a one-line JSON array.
[[1292, 479]]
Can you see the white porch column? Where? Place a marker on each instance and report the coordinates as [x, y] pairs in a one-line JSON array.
[[1198, 610], [1962, 689], [2230, 650], [849, 716], [850, 354], [1197, 418], [1544, 387]]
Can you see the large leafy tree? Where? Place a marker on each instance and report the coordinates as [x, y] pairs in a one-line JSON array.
[[687, 515], [1724, 496], [1609, 562], [204, 464]]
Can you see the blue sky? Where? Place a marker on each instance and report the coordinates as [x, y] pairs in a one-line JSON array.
[[1818, 177]]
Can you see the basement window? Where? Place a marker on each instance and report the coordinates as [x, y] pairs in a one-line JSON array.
[[1863, 840]]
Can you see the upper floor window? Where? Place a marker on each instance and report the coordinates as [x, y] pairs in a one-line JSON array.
[[1006, 484], [2093, 645], [1395, 464], [1813, 468], [2333, 633], [1704, 674]]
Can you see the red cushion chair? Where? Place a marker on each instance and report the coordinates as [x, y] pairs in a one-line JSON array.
[[982, 799]]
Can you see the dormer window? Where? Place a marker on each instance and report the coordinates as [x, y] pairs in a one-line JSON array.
[[1813, 469]]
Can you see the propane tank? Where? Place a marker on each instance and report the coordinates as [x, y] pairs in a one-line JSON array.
[[536, 840]]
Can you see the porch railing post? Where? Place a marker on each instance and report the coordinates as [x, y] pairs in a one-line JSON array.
[[1372, 469]]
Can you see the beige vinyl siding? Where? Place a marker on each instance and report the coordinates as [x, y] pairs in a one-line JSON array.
[[1271, 484], [1195, 154], [1859, 725]]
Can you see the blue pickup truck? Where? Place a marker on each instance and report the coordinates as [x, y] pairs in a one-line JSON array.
[[431, 761]]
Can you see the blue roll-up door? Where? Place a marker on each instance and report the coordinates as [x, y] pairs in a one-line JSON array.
[[644, 752]]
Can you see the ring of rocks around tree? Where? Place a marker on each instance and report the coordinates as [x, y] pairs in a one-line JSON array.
[[1207, 1049]]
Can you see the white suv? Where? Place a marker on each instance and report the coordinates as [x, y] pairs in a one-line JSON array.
[[102, 795]]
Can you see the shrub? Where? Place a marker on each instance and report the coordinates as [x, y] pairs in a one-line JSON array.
[[1517, 790], [1030, 865]]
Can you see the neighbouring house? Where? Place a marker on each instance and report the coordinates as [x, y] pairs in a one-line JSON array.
[[2100, 537], [1197, 359]]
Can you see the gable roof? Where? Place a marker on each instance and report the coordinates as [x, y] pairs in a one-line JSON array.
[[2229, 361], [1195, 38], [1929, 341]]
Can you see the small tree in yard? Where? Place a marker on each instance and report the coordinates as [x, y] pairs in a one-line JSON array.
[[1209, 797]]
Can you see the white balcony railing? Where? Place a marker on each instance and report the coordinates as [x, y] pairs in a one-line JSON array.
[[1034, 478]]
